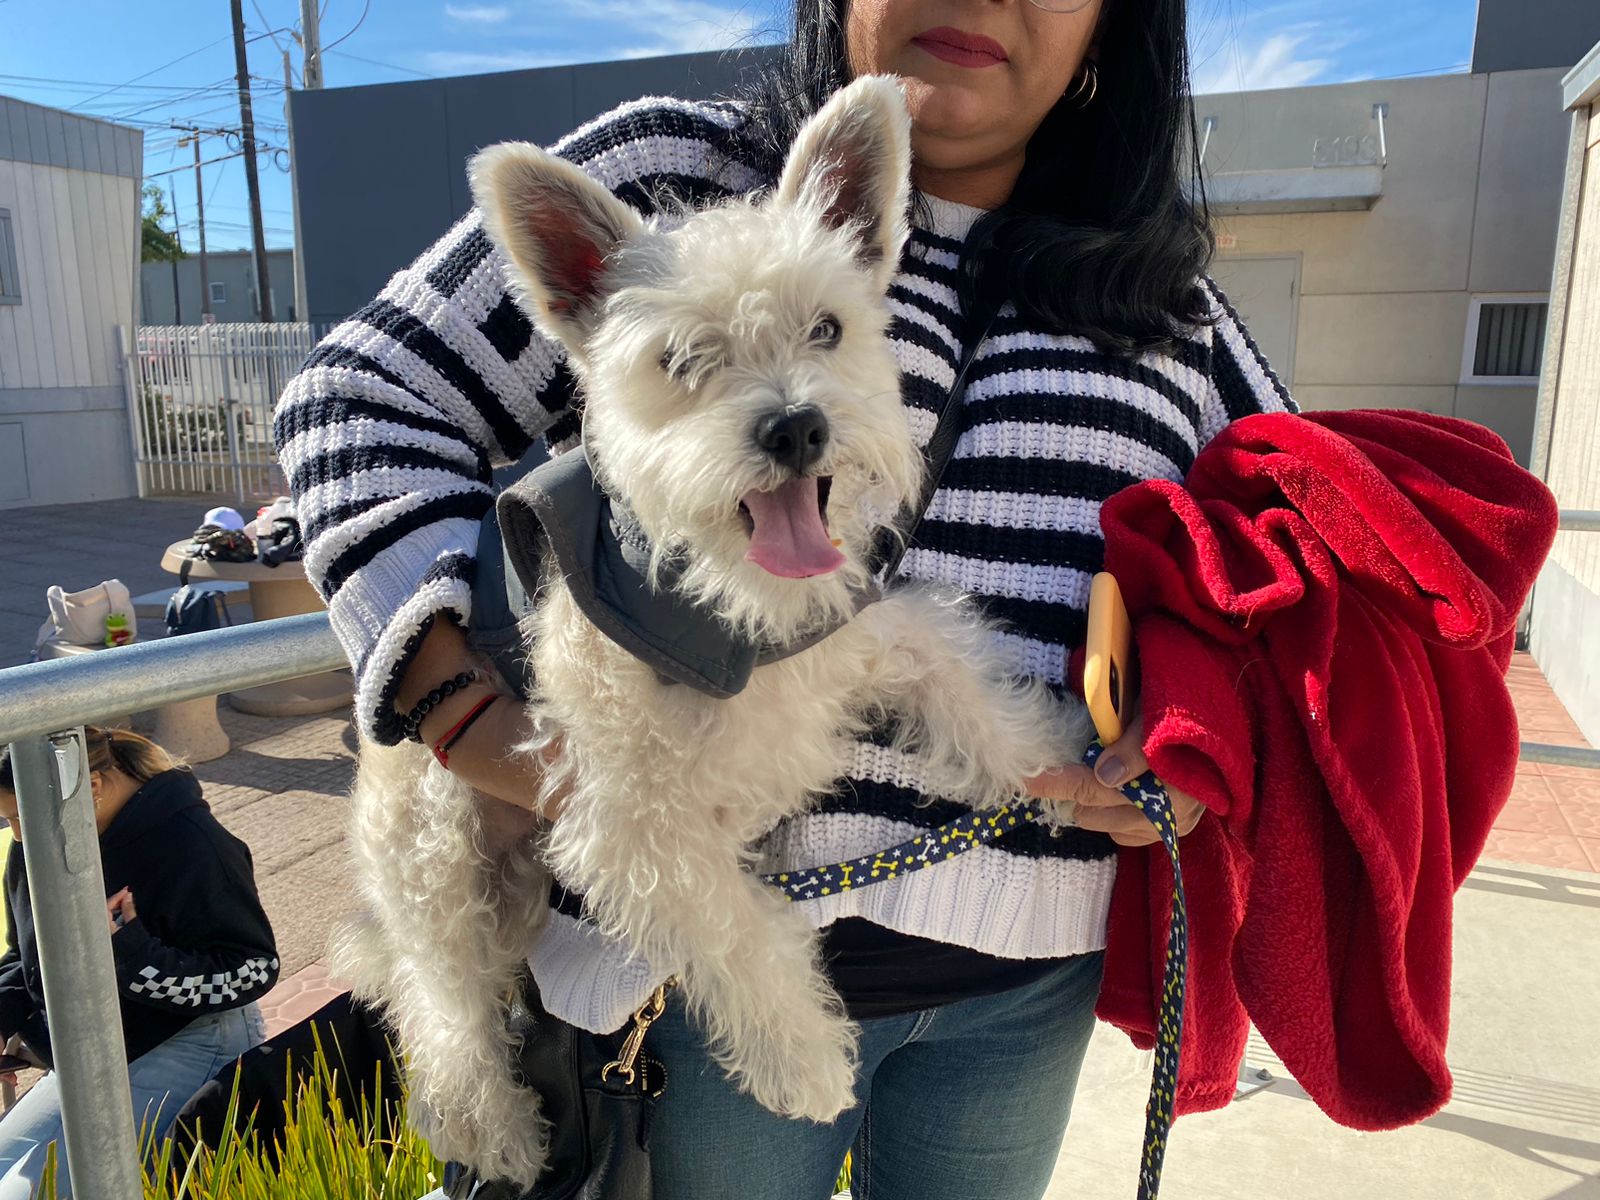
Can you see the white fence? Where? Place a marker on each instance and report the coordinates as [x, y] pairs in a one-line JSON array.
[[201, 398]]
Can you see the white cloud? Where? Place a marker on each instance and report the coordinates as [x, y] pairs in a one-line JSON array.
[[477, 14], [459, 62], [1270, 62], [669, 26]]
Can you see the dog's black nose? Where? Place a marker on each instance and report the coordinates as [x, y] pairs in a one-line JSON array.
[[795, 437]]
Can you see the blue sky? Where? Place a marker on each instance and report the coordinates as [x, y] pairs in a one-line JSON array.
[[156, 62]]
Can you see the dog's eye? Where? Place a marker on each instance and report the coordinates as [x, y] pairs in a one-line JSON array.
[[689, 369], [677, 367], [826, 332]]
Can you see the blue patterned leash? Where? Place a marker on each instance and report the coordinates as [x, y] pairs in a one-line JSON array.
[[973, 829]]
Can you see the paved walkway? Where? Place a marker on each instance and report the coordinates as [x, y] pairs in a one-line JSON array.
[[77, 546]]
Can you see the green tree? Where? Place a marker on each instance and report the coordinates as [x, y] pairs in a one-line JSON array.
[[158, 245]]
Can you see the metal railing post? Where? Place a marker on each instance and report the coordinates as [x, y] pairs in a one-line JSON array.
[[65, 883]]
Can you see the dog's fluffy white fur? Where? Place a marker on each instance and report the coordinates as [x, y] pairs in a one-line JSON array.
[[684, 335]]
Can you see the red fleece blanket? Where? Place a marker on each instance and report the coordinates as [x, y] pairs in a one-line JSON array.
[[1324, 614]]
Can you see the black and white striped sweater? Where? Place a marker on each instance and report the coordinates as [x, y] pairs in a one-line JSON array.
[[390, 431]]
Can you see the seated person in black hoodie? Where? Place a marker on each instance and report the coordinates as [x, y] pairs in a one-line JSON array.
[[193, 948]]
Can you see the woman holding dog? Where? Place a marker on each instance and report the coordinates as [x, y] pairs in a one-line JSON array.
[[1050, 144]]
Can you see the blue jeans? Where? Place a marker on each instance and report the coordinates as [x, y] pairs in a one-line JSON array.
[[162, 1082], [964, 1101]]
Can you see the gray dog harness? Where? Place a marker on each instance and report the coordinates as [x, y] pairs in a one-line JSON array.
[[557, 516]]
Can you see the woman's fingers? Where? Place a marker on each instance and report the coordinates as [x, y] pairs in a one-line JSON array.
[[1124, 759]]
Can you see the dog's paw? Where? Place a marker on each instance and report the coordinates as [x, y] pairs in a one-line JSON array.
[[817, 1088], [811, 1077]]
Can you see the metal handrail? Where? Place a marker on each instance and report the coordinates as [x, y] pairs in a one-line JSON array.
[[1580, 520], [44, 697]]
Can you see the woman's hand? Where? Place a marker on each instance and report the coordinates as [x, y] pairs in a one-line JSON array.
[[1098, 796], [120, 909], [482, 757]]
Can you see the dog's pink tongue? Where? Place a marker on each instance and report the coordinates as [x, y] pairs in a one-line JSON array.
[[789, 538]]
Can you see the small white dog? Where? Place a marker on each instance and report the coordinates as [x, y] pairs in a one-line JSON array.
[[742, 400]]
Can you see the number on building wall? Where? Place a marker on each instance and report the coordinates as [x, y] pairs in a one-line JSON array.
[[1348, 151]]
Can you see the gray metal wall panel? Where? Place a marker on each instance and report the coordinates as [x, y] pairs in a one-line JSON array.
[[534, 106], [51, 137], [1519, 35], [73, 133], [55, 135], [94, 155], [602, 86], [38, 142], [376, 160], [127, 161], [380, 171], [17, 114]]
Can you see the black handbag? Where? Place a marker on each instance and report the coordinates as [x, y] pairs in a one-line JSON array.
[[598, 1093]]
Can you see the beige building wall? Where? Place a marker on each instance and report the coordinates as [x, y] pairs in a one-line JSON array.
[[1565, 627], [1469, 206]]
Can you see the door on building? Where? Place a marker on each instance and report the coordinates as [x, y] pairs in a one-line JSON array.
[[1266, 291]]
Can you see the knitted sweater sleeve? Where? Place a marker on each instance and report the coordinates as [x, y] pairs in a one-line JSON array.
[[390, 430], [1241, 380]]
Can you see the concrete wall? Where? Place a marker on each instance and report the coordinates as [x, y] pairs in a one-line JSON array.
[[1517, 35], [1565, 631], [234, 270], [1469, 206], [71, 189], [380, 171]]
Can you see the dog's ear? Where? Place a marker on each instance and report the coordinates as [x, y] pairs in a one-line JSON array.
[[853, 162], [557, 226]]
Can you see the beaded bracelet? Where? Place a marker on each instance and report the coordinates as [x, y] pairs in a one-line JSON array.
[[411, 723]]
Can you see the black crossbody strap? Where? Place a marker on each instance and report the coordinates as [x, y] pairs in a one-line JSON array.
[[893, 543]]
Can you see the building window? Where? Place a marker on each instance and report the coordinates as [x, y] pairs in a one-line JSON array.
[[10, 277], [1505, 339], [219, 293]]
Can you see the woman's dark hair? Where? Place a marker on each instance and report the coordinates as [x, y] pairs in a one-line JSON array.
[[1100, 237]]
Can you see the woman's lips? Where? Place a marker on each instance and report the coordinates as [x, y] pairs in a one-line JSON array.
[[960, 48]]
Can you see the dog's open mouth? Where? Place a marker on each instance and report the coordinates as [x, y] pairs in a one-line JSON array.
[[788, 529]]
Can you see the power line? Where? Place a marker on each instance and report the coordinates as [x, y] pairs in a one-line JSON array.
[[154, 70], [264, 21], [373, 62], [361, 20], [100, 83]]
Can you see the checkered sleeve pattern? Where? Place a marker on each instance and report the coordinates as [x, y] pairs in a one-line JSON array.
[[223, 989], [204, 980]]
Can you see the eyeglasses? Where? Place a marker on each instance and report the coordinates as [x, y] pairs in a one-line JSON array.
[[1061, 6]]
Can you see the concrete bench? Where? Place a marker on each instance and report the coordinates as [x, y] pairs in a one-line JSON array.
[[152, 606], [188, 729]]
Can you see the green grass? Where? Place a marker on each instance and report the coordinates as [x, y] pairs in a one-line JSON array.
[[323, 1153]]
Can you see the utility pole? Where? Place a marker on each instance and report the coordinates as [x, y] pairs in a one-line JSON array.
[[177, 236], [200, 210], [310, 46], [247, 131], [299, 313]]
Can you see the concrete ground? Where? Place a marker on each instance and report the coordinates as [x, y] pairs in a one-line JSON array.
[[1525, 1123], [78, 546]]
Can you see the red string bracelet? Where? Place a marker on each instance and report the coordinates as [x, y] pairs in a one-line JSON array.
[[441, 748]]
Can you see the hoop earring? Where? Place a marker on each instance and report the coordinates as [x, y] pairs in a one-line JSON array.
[[1088, 86]]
